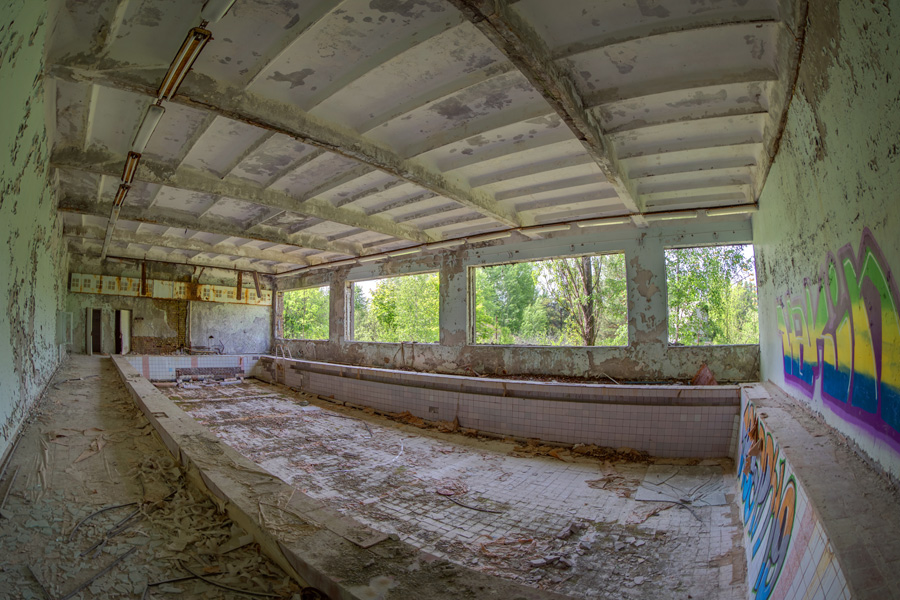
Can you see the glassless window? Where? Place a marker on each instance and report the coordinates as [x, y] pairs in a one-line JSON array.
[[397, 309], [305, 314], [712, 296], [576, 301]]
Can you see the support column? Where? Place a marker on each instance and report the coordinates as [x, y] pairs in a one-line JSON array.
[[339, 304], [645, 271], [453, 315]]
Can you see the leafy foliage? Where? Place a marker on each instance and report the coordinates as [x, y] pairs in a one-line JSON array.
[[712, 296], [561, 302], [306, 314], [399, 309]]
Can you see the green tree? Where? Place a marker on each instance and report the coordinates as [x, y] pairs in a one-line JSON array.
[[712, 296], [305, 314], [505, 291], [400, 309], [590, 291]]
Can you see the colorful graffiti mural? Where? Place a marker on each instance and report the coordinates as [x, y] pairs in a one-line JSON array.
[[769, 501], [843, 330]]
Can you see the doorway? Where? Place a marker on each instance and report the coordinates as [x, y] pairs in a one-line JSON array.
[[96, 338], [123, 331]]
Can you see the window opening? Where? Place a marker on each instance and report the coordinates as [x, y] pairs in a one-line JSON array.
[[712, 296], [397, 309], [575, 301], [305, 313]]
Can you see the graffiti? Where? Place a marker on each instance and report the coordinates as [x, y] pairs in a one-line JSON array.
[[769, 500], [843, 332]]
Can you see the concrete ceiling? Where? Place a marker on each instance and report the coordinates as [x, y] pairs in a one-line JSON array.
[[313, 132]]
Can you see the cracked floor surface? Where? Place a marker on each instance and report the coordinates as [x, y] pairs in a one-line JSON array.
[[562, 522], [87, 448]]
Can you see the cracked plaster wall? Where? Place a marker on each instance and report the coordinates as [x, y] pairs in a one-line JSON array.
[[647, 358], [831, 201], [161, 326], [32, 267]]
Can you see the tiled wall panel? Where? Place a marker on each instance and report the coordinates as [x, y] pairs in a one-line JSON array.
[[667, 421], [162, 368], [797, 562]]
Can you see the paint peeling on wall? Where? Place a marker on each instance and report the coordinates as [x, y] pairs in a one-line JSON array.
[[30, 268], [826, 233], [842, 331], [648, 357]]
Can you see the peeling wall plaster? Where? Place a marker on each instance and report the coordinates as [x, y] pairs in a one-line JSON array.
[[647, 358], [161, 326], [832, 189], [32, 265]]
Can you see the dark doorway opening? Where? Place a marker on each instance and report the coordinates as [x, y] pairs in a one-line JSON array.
[[123, 331], [96, 321]]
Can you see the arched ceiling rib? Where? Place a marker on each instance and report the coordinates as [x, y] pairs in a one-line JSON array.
[[328, 130]]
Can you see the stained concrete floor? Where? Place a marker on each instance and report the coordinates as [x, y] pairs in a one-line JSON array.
[[567, 523], [87, 448]]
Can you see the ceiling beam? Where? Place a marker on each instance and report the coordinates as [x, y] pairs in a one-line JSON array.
[[190, 179], [382, 56], [237, 160], [85, 247], [168, 218], [677, 83], [232, 102], [476, 127], [451, 88], [665, 27], [178, 243], [516, 38], [308, 20]]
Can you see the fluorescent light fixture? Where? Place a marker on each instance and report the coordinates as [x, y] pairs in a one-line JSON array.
[[339, 263], [671, 216], [447, 244], [490, 237], [403, 252], [120, 195], [214, 10], [599, 222], [548, 228], [131, 165], [732, 210], [365, 259], [148, 125], [184, 60]]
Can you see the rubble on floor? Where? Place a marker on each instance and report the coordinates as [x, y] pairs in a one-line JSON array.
[[99, 509], [560, 519]]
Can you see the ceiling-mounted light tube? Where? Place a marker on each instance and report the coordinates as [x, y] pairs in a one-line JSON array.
[[599, 222], [120, 195], [490, 237], [447, 244], [338, 263], [214, 10], [732, 210], [131, 165], [548, 228], [184, 60], [365, 259], [403, 252], [148, 125], [671, 216]]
